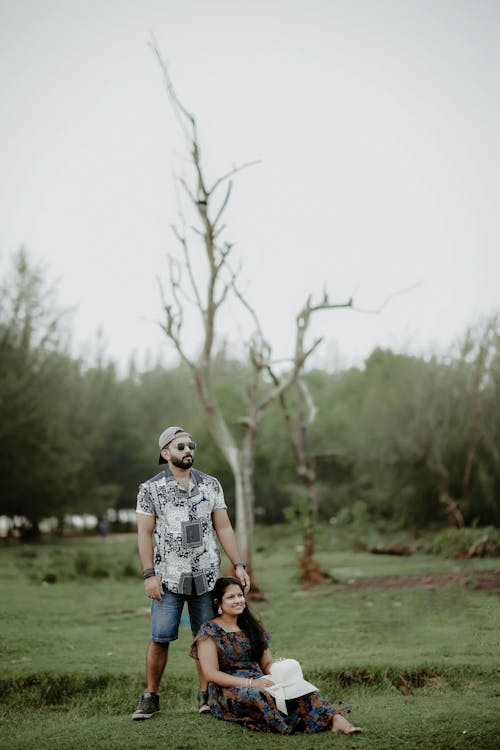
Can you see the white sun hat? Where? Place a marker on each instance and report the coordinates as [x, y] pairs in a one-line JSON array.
[[288, 682]]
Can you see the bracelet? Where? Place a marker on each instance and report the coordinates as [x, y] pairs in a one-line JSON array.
[[240, 563], [148, 573]]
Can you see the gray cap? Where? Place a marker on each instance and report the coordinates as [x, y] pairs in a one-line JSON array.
[[167, 436]]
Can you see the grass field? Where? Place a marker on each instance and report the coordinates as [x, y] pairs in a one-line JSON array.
[[419, 665]]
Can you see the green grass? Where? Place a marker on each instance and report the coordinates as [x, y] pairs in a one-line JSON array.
[[419, 666]]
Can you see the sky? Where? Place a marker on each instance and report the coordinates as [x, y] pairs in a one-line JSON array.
[[374, 124]]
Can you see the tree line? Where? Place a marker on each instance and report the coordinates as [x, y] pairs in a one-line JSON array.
[[413, 440]]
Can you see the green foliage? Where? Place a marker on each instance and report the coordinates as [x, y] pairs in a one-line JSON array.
[[298, 514], [36, 446], [467, 542], [355, 516], [60, 563], [412, 441], [414, 438]]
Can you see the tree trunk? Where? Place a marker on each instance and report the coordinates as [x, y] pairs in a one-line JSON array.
[[241, 464]]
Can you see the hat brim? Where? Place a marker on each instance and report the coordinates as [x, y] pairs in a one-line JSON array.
[[301, 687], [291, 686]]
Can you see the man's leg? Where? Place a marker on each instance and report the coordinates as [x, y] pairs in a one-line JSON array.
[[165, 619], [201, 609], [156, 660]]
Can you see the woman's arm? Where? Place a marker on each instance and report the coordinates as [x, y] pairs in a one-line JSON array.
[[209, 662], [265, 661]]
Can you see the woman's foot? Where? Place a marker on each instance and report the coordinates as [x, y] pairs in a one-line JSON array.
[[342, 726]]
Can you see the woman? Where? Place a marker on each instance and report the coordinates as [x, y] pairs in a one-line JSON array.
[[234, 655]]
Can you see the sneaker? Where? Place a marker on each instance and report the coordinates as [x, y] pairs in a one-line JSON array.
[[149, 705], [203, 706]]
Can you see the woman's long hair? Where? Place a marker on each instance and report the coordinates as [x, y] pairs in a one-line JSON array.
[[246, 620]]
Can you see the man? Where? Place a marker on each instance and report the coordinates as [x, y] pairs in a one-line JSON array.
[[185, 509]]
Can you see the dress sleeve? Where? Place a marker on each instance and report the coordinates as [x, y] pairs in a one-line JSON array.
[[204, 633]]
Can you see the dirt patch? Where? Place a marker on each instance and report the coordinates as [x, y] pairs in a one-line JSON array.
[[487, 580]]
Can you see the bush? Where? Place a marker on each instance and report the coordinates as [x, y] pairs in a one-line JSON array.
[[82, 563], [467, 542]]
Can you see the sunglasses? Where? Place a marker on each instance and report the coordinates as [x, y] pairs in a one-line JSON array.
[[190, 445]]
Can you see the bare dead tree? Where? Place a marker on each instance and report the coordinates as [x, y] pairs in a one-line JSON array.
[[299, 417], [207, 297]]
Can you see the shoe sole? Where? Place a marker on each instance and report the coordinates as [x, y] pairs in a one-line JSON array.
[[204, 710], [141, 717]]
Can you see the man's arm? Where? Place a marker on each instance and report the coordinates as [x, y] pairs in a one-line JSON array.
[[227, 539], [145, 528]]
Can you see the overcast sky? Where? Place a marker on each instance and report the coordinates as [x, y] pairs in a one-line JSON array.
[[376, 125]]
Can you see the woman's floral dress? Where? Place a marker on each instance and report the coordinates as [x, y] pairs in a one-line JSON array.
[[255, 708]]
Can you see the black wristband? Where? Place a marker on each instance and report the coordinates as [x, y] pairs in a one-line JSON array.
[[148, 573]]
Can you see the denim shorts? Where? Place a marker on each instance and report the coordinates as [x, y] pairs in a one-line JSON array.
[[166, 614]]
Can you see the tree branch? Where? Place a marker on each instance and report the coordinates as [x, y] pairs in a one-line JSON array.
[[388, 299], [232, 172]]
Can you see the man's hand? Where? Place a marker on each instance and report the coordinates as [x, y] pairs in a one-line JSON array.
[[154, 589], [244, 578]]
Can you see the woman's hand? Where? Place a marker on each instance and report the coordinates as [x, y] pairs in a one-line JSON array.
[[261, 683]]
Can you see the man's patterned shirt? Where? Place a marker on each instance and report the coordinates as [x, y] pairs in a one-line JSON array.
[[186, 553]]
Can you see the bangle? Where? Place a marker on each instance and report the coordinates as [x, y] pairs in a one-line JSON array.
[[148, 573], [240, 563]]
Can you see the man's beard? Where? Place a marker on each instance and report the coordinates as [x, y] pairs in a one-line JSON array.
[[183, 463]]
